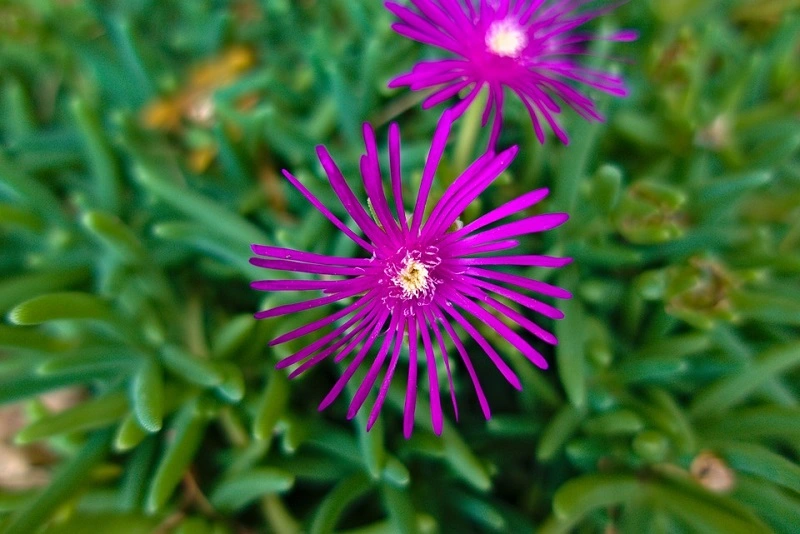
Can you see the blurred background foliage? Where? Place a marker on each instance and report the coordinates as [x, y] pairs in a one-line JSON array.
[[140, 149]]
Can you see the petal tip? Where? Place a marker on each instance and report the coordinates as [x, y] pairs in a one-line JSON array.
[[327, 401], [437, 426]]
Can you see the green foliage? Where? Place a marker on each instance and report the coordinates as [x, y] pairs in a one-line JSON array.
[[140, 155]]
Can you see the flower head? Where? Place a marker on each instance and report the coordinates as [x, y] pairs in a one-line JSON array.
[[422, 278], [528, 46]]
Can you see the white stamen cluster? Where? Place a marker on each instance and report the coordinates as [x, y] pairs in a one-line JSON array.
[[506, 38], [413, 278]]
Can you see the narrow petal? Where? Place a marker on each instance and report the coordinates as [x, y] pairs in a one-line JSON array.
[[529, 261], [358, 321], [387, 379], [526, 15], [295, 285], [326, 212], [432, 321], [325, 321], [512, 314], [348, 199], [308, 257], [531, 285], [432, 73], [502, 366], [378, 201], [445, 93], [350, 342], [466, 360], [439, 17], [529, 225], [460, 194], [410, 18], [348, 373], [456, 11], [462, 106], [508, 334], [373, 183], [396, 174], [537, 125], [433, 378], [377, 364], [454, 206], [378, 320], [445, 73], [489, 105], [306, 305], [437, 39], [502, 9], [514, 206], [530, 303], [477, 168], [411, 386], [482, 248], [497, 125], [429, 171], [302, 267]]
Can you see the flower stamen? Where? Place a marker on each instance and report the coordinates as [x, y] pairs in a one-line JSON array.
[[413, 278], [506, 38]]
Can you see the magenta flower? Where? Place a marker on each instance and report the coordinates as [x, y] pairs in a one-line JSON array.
[[422, 277], [529, 46]]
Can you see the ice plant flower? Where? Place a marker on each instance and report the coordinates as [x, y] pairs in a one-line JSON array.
[[529, 46], [421, 278]]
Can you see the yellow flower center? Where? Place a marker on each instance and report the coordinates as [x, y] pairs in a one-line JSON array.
[[505, 38], [413, 278]]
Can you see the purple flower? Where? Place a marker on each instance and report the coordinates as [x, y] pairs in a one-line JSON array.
[[422, 277], [529, 46]]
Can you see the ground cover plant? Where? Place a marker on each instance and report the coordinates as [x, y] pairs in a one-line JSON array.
[[142, 149]]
